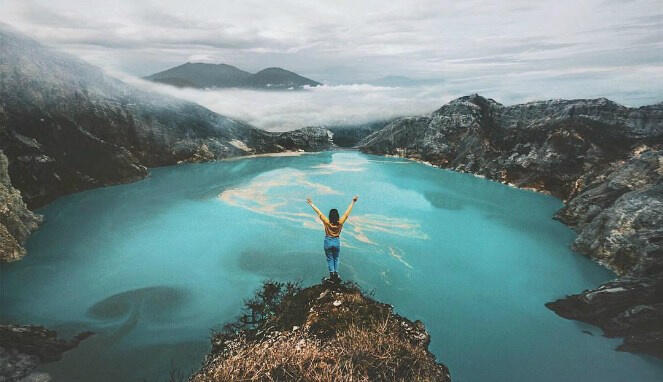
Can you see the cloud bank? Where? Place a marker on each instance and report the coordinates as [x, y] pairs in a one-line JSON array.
[[326, 105], [353, 104]]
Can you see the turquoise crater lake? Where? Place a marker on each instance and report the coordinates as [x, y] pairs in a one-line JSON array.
[[152, 266]]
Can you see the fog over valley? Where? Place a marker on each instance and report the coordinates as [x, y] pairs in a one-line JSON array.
[[326, 105]]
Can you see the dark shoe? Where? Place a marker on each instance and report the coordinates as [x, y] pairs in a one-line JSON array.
[[330, 279], [335, 278]]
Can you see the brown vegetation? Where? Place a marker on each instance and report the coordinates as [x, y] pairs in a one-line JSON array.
[[321, 333]]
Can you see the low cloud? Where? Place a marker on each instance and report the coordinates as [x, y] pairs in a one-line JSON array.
[[325, 105], [330, 105]]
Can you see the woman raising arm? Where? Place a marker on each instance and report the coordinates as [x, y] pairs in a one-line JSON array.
[[333, 226]]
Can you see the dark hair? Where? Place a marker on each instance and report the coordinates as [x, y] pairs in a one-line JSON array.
[[333, 216]]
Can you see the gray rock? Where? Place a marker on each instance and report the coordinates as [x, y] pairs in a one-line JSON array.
[[16, 220], [24, 348], [618, 213], [544, 145]]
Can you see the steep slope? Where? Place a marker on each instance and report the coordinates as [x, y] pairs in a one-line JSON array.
[[320, 333], [605, 160], [202, 75], [65, 126]]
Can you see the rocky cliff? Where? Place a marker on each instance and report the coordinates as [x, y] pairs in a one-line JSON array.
[[65, 126], [16, 220], [320, 333], [23, 348], [603, 159], [544, 145]]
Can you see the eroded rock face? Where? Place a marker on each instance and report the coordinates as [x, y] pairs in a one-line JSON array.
[[16, 220], [603, 159], [630, 307], [23, 348], [544, 145], [619, 214]]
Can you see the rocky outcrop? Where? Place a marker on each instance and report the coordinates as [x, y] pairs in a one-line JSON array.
[[23, 348], [629, 307], [16, 220], [544, 145], [618, 213], [320, 333], [619, 218], [65, 127], [603, 159]]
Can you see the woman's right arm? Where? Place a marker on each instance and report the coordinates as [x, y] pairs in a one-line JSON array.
[[317, 210]]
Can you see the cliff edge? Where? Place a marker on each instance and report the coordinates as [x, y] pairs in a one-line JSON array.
[[16, 221], [320, 333]]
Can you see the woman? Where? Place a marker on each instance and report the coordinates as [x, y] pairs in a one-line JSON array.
[[333, 226]]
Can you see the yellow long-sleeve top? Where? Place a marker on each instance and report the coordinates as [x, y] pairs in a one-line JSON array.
[[331, 230]]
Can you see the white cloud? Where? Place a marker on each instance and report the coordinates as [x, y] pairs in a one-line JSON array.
[[207, 58]]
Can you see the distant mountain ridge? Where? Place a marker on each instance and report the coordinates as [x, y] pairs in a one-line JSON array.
[[203, 75]]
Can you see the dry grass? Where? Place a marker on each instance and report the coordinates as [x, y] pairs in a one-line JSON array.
[[357, 340], [371, 353]]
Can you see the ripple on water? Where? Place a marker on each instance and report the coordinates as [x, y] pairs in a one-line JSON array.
[[155, 303]]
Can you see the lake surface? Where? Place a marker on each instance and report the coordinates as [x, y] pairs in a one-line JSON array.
[[152, 266]]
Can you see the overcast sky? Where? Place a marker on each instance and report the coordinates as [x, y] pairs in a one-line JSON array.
[[512, 51]]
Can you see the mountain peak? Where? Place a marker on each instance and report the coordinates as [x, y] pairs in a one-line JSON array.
[[274, 69], [207, 75]]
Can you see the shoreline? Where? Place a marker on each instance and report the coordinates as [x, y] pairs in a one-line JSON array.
[[429, 164]]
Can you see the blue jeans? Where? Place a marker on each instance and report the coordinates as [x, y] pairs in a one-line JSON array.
[[332, 248]]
